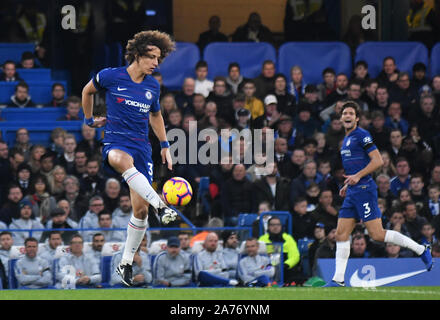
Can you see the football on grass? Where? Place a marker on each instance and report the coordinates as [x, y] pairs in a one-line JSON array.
[[177, 191]]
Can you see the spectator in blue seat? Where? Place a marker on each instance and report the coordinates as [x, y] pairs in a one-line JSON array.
[[25, 221], [286, 101], [11, 208], [9, 72], [255, 270], [340, 92], [299, 185], [265, 82], [172, 267], [297, 86], [73, 108], [6, 243], [253, 31], [21, 97], [234, 79], [394, 119], [184, 98], [211, 35], [31, 271], [389, 73], [58, 93], [419, 78], [328, 85], [202, 84], [304, 123], [27, 60], [98, 240], [86, 272]]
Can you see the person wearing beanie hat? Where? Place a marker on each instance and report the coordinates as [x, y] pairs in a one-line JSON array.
[[26, 221], [243, 118], [230, 252]]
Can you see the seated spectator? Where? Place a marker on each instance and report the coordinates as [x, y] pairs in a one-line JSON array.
[[97, 241], [23, 178], [319, 236], [413, 221], [56, 180], [25, 222], [89, 141], [37, 151], [222, 99], [394, 119], [243, 119], [11, 208], [22, 144], [90, 219], [185, 241], [92, 182], [59, 219], [253, 31], [428, 236], [340, 91], [303, 221], [172, 268], [78, 201], [426, 118], [282, 154], [73, 106], [9, 72], [402, 178], [308, 175], [380, 133], [231, 252], [389, 73], [27, 60], [49, 249], [270, 116], [292, 269], [213, 34], [184, 97], [359, 247], [404, 93], [419, 78], [392, 250], [395, 148], [236, 195], [31, 271], [234, 79], [57, 137], [265, 82], [111, 194], [286, 101], [354, 93], [6, 243], [168, 104], [47, 163], [335, 133], [369, 93], [58, 93], [297, 86], [271, 188], [86, 271], [202, 84], [360, 72], [66, 159], [38, 193], [209, 265], [21, 97], [79, 168], [122, 214], [327, 249], [419, 195], [105, 222], [255, 270], [328, 85], [292, 169], [158, 76], [304, 123], [199, 104], [434, 200], [288, 132], [253, 104], [310, 99], [326, 212], [383, 189]]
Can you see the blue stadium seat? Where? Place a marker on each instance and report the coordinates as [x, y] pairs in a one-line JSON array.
[[39, 74], [106, 272], [406, 55], [13, 51], [32, 114], [285, 217], [313, 58], [247, 219], [249, 55], [435, 60], [13, 283], [201, 195], [179, 65], [40, 91]]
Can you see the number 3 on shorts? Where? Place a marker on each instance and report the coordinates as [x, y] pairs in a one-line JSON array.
[[150, 168], [367, 208]]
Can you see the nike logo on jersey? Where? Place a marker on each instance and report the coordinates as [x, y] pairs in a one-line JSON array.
[[121, 89], [355, 281]]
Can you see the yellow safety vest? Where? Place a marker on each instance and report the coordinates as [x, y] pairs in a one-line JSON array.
[[32, 34], [417, 20]]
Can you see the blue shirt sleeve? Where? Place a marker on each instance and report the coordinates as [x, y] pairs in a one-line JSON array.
[[367, 142], [103, 79]]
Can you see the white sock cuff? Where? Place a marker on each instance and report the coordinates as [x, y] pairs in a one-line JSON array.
[[138, 223], [343, 244], [128, 173], [389, 236]]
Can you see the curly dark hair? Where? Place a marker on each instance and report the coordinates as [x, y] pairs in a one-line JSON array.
[[138, 46]]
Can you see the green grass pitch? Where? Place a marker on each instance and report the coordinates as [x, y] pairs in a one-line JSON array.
[[297, 293]]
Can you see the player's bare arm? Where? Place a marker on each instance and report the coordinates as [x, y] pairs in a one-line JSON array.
[[375, 163], [157, 123], [87, 104]]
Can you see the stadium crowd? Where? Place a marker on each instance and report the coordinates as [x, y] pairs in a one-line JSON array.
[[63, 186]]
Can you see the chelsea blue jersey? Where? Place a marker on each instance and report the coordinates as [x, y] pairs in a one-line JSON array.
[[354, 153], [128, 106]]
